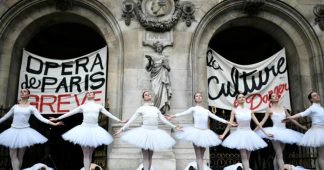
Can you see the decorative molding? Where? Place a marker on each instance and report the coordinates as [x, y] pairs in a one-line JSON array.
[[252, 7], [188, 9], [158, 15], [128, 9], [63, 5], [319, 15]]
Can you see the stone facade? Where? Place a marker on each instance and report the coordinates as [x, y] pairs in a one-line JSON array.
[[289, 22]]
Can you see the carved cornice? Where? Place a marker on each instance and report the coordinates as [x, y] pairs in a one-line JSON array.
[[63, 5], [252, 7], [158, 22], [319, 15]]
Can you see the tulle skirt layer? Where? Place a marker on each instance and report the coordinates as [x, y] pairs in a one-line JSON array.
[[152, 139], [200, 137], [313, 137], [21, 137], [91, 135], [244, 139], [283, 135]]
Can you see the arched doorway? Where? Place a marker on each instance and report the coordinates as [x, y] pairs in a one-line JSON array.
[[243, 45], [62, 41], [47, 31], [283, 24]]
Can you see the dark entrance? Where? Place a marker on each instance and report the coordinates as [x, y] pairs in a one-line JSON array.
[[247, 45], [60, 41]]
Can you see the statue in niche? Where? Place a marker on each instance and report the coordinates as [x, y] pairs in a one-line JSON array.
[[158, 66]]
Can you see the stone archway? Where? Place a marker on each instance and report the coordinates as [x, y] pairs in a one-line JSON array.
[[289, 28], [26, 18]]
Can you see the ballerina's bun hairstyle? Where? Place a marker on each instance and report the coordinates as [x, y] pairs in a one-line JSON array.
[[238, 94]]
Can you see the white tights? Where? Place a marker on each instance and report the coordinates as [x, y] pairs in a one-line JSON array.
[[245, 156], [278, 162], [147, 158], [87, 156], [17, 156], [199, 151]]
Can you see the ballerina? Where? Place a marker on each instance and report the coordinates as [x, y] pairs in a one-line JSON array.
[[20, 136], [199, 135], [314, 136], [148, 137], [243, 138], [89, 134], [282, 135]]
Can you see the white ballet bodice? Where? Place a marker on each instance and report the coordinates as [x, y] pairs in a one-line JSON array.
[[316, 112], [200, 116], [90, 112], [276, 118], [150, 117], [21, 115], [243, 118]]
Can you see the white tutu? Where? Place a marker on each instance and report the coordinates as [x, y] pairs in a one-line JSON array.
[[153, 139], [200, 137], [244, 139], [88, 135], [313, 137], [283, 135], [21, 137]]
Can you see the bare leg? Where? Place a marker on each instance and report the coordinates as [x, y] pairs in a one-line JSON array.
[[14, 159], [245, 160], [199, 160], [279, 155], [150, 158], [202, 152], [146, 162], [87, 156], [21, 152], [275, 163], [321, 158]]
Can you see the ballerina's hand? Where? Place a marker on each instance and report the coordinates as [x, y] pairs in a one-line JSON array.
[[233, 124], [288, 118], [221, 137], [269, 135], [117, 132], [168, 116], [53, 119], [60, 123], [304, 127], [179, 128], [123, 121]]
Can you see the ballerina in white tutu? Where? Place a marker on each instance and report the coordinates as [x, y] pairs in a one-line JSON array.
[[89, 134], [314, 136], [282, 135], [199, 135], [20, 136], [148, 137], [243, 138]]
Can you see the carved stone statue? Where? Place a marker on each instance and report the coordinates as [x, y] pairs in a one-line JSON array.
[[159, 68]]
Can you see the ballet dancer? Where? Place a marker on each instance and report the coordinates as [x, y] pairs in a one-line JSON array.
[[243, 138], [89, 134], [314, 136], [148, 137], [199, 135], [282, 135], [20, 136]]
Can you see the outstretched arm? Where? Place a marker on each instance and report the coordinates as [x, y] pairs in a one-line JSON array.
[[255, 120], [217, 118], [295, 122], [162, 118], [135, 115], [70, 113], [42, 119], [108, 114], [8, 114], [265, 118], [228, 126]]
